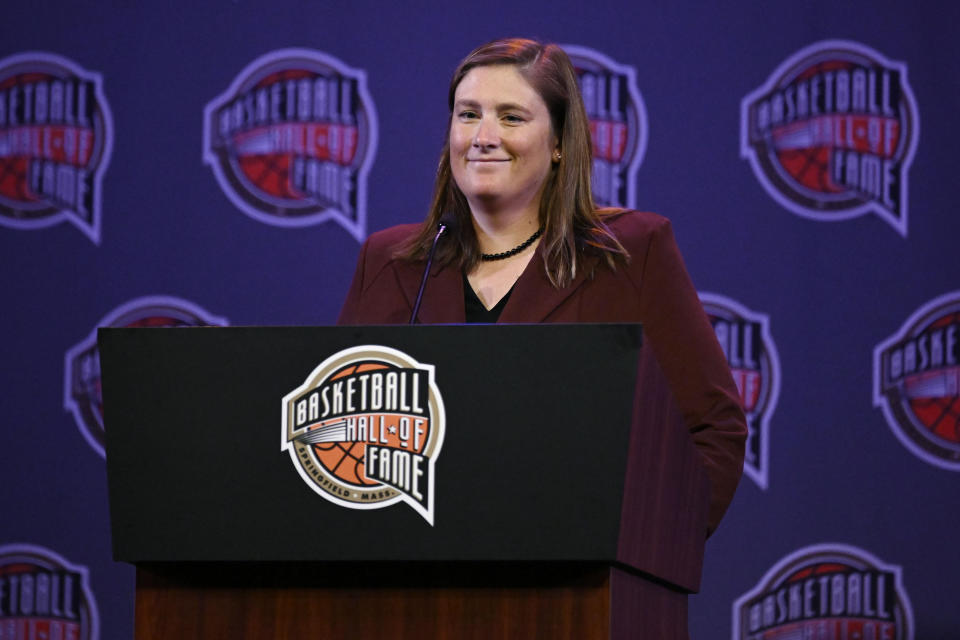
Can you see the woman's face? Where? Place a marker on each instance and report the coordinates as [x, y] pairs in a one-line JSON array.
[[501, 139]]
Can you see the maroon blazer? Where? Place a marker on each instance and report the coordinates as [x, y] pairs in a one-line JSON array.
[[653, 289]]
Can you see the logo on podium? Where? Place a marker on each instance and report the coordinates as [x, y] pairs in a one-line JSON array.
[[365, 428]]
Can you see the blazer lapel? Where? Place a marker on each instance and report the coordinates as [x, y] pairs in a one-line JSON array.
[[442, 301], [534, 297]]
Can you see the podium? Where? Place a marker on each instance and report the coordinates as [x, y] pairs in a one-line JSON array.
[[566, 499]]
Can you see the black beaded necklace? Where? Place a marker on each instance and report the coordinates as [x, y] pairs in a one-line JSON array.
[[512, 252]]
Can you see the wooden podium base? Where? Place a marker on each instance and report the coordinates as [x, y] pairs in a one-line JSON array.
[[404, 601]]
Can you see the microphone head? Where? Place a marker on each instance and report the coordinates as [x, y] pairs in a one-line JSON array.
[[448, 221]]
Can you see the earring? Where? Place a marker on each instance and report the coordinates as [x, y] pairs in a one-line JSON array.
[[556, 156]]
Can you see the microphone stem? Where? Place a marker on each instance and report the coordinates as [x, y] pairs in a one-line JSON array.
[[423, 282]]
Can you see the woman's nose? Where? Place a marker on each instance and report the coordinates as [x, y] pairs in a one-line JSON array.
[[487, 134]]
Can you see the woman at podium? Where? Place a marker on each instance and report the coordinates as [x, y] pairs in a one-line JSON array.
[[523, 242]]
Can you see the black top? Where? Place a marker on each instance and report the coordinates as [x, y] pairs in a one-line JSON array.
[[478, 313]]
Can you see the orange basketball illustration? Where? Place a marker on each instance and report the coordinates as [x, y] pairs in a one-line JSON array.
[[365, 429]]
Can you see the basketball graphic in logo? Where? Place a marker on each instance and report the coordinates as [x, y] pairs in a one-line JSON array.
[[56, 135], [832, 133], [916, 374], [744, 336], [43, 596], [365, 429], [82, 394], [618, 124], [291, 141], [826, 591]]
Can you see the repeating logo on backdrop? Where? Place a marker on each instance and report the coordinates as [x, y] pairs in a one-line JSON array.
[[826, 591], [916, 381], [832, 133], [744, 336], [44, 596], [291, 141], [365, 428], [56, 135], [81, 386], [618, 124]]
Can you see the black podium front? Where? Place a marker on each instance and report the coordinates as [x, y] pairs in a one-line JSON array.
[[562, 495]]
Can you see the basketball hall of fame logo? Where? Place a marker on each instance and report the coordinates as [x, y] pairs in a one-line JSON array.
[[56, 135], [916, 381], [832, 133], [81, 382], [744, 336], [291, 141], [44, 596], [365, 429], [826, 591], [618, 124]]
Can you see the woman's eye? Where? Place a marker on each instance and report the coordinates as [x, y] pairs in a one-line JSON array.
[[468, 115], [513, 118]]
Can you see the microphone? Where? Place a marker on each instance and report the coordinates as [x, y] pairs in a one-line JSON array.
[[447, 222]]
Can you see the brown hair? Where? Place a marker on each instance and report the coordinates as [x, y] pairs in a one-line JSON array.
[[572, 224]]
